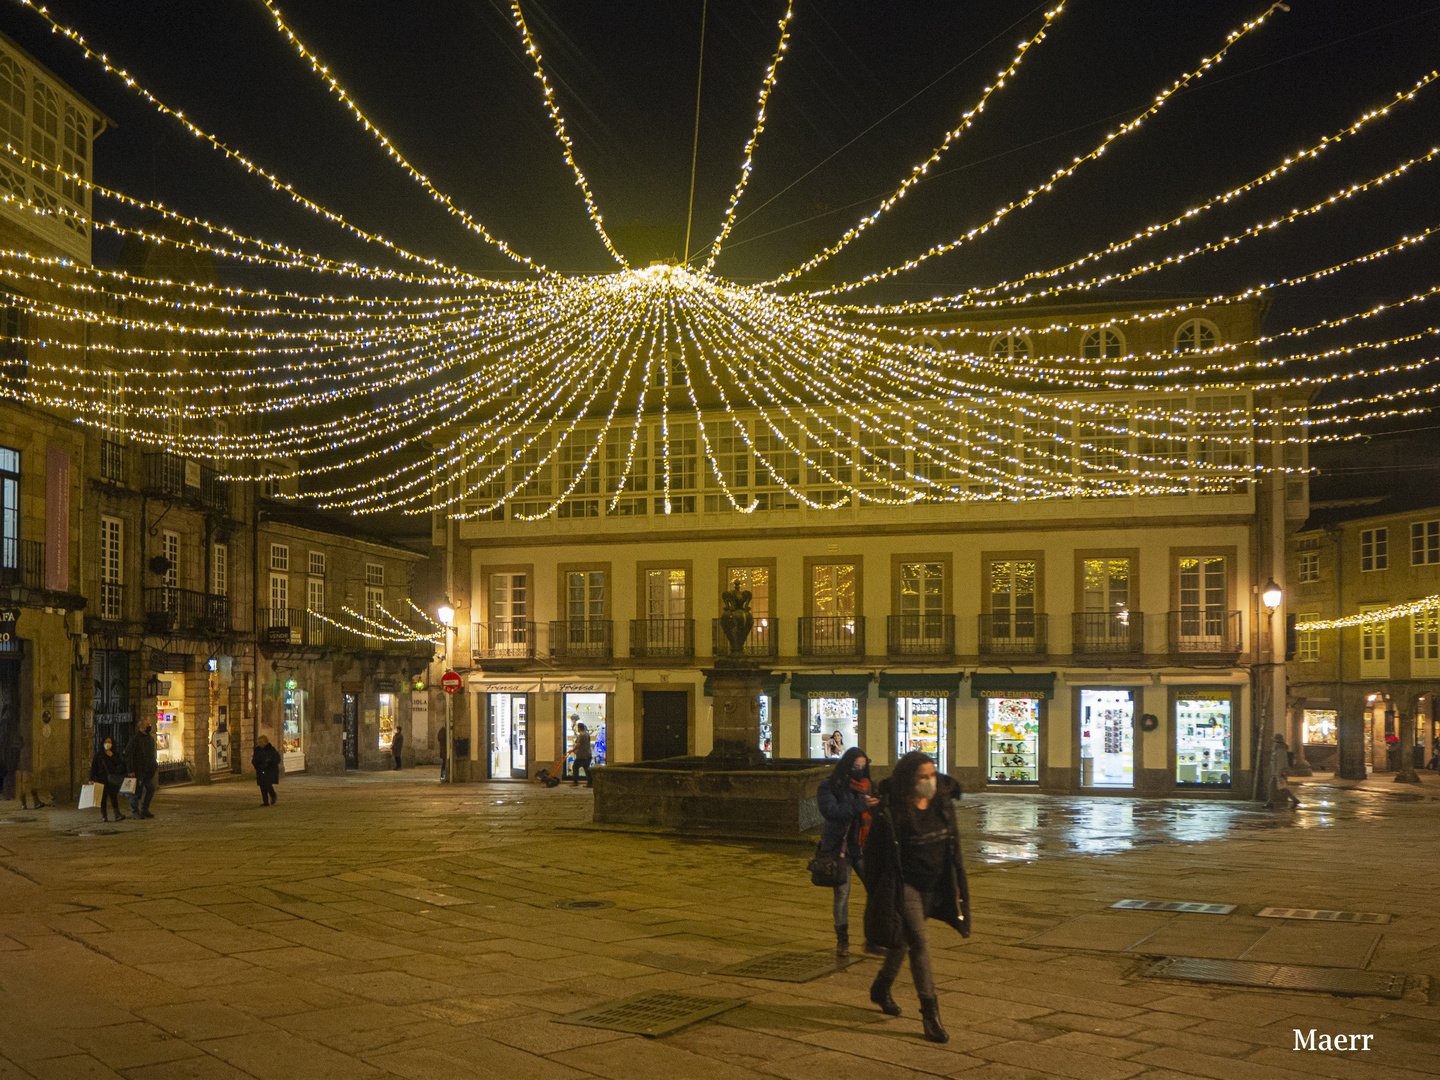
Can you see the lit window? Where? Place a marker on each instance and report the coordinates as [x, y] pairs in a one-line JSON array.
[[1374, 549], [1307, 642], [1196, 335], [1309, 566], [1010, 346], [279, 557], [1424, 543], [1104, 342]]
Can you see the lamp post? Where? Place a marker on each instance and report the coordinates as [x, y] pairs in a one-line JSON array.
[[1270, 597], [446, 614]]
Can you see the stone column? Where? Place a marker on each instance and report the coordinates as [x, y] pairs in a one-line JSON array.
[[1406, 707], [735, 693], [1351, 734]]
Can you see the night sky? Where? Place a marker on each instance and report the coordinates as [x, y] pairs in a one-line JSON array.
[[868, 89]]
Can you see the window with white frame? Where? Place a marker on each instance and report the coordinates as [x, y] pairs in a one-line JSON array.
[[1375, 648], [1309, 569], [170, 548], [317, 563], [279, 557], [1196, 335], [1425, 644], [1307, 642], [279, 599], [1104, 342], [219, 569], [374, 603], [1374, 549], [112, 568], [1424, 543], [375, 574], [1010, 346]]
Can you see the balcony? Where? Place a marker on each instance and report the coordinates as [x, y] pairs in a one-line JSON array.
[[296, 628], [662, 639], [1204, 630], [764, 640], [22, 562], [582, 639], [185, 611], [832, 635], [1014, 633], [114, 462], [1105, 633], [176, 477], [920, 635], [110, 604], [503, 639]]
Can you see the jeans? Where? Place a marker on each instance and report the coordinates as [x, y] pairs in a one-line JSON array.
[[842, 895], [397, 760], [143, 793], [914, 911], [583, 763]]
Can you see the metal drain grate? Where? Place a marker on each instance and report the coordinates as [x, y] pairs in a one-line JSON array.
[[794, 967], [1184, 906], [653, 1014], [585, 905], [1323, 916], [1387, 984]]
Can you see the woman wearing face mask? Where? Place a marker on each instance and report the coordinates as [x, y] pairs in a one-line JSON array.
[[844, 800], [108, 768], [913, 872]]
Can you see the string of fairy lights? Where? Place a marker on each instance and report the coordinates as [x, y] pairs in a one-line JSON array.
[[408, 383]]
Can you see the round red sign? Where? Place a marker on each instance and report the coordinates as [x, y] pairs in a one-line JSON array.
[[451, 682]]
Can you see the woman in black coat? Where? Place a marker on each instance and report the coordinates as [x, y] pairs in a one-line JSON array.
[[266, 760], [844, 799], [913, 872], [108, 768]]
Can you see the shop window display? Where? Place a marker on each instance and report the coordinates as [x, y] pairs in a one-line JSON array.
[[1013, 727], [834, 726], [295, 727], [767, 737], [1321, 727], [588, 709], [507, 736], [920, 725], [389, 717], [170, 718], [1202, 740], [1107, 738]]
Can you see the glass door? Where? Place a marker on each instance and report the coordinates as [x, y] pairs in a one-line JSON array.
[[1107, 738], [1013, 733], [920, 725], [1012, 603], [834, 726]]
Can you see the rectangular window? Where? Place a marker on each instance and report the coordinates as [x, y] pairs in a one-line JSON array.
[[585, 595], [832, 590], [375, 575], [315, 594], [1307, 642], [112, 568], [279, 557], [374, 603], [170, 548], [1425, 645], [1424, 543], [1202, 740], [317, 563], [920, 725], [1309, 567], [9, 507], [509, 614], [1321, 727], [922, 603], [1107, 739], [1203, 593], [1106, 585], [279, 598], [219, 569], [664, 594], [1375, 649], [1374, 549], [1012, 728], [1012, 600]]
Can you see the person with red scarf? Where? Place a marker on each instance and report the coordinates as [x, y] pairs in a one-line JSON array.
[[844, 800]]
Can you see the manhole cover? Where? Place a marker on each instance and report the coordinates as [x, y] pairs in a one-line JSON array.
[[1323, 916], [584, 905], [653, 1014], [789, 966], [1184, 906], [1387, 984], [15, 820]]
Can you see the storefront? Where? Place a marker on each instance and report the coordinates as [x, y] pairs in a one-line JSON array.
[[1012, 723], [505, 705], [1107, 738], [295, 731], [584, 702], [833, 712], [920, 709], [170, 720], [1204, 736], [387, 715]]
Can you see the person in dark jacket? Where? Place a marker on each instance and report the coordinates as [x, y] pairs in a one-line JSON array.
[[108, 768], [913, 871], [583, 755], [142, 761], [266, 760], [844, 800], [396, 746]]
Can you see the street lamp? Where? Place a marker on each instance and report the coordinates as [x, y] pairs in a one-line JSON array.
[[446, 614], [1271, 596]]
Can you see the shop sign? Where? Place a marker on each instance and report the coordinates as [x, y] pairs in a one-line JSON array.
[[8, 618], [816, 695], [385, 686], [1030, 695], [512, 686], [283, 635], [598, 686]]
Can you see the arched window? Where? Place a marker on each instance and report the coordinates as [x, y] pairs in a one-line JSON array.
[[12, 103], [45, 133], [76, 156], [1010, 346], [1103, 342], [1196, 335]]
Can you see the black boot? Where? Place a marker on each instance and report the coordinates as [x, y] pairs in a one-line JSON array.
[[930, 1017], [880, 995], [842, 941]]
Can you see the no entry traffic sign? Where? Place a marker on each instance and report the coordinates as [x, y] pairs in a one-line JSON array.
[[451, 682]]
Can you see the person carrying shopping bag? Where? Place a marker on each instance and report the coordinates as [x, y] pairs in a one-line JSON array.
[[107, 768]]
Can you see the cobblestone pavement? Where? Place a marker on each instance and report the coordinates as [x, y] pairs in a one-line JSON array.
[[382, 925]]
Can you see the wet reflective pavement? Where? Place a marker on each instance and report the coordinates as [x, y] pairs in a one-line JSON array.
[[1023, 827]]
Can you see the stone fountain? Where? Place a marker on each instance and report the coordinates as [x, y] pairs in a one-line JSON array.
[[735, 789]]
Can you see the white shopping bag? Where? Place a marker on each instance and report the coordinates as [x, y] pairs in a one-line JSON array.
[[127, 786], [89, 796]]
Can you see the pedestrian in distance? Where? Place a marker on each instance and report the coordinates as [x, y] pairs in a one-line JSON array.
[[444, 754], [844, 800], [582, 754], [266, 760], [1281, 797], [107, 768], [143, 762], [913, 871], [16, 765], [396, 746]]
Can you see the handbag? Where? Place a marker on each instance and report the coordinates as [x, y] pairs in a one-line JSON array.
[[89, 796], [128, 786], [825, 868]]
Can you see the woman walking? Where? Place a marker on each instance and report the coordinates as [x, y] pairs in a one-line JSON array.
[[108, 769], [845, 801], [266, 760], [913, 871], [583, 755]]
